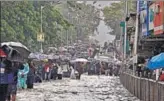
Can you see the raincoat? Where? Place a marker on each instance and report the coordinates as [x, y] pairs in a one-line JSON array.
[[22, 76]]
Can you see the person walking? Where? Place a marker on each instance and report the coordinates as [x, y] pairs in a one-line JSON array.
[[12, 88], [79, 69]]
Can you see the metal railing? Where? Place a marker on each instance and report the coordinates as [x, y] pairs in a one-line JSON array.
[[145, 89]]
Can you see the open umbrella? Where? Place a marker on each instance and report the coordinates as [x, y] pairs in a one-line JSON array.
[[16, 56], [81, 60], [156, 62], [52, 56], [102, 58], [11, 54], [33, 56], [19, 47]]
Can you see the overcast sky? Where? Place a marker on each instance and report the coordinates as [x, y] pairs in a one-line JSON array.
[[102, 28]]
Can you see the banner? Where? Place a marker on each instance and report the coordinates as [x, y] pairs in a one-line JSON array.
[[158, 17], [151, 16], [141, 5], [143, 11]]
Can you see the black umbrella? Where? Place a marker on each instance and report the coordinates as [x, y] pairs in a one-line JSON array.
[[16, 56], [12, 54], [19, 47]]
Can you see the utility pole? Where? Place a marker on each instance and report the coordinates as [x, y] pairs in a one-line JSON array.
[[135, 40], [77, 29], [125, 33]]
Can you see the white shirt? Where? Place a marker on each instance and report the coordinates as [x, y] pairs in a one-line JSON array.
[[60, 71]]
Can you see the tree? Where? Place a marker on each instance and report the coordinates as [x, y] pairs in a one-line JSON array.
[[115, 13], [88, 17], [21, 22]]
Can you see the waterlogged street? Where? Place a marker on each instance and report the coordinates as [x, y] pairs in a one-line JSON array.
[[89, 88]]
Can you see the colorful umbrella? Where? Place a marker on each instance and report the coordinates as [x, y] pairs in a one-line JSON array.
[[156, 62]]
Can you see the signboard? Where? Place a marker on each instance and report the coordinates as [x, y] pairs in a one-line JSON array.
[[158, 18], [143, 18], [142, 5], [143, 10], [135, 59], [122, 24], [40, 37], [151, 16]]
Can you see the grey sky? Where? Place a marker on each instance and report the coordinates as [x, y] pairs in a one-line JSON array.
[[102, 28]]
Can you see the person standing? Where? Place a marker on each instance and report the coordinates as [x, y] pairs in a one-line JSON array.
[[110, 69], [60, 71], [47, 71], [5, 77], [72, 76], [39, 73], [22, 76], [31, 75], [42, 68], [54, 71]]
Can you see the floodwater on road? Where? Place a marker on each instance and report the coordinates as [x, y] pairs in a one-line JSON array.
[[89, 88]]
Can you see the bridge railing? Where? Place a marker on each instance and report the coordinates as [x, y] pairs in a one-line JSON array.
[[144, 88]]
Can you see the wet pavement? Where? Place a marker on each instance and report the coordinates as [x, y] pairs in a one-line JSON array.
[[89, 88]]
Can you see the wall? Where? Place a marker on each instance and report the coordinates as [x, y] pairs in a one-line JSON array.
[[144, 89]]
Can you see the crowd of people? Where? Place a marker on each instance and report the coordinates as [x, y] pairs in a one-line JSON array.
[[22, 75], [143, 71], [19, 75], [104, 68]]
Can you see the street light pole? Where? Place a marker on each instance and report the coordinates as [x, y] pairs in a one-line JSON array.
[[125, 33], [77, 28], [41, 30]]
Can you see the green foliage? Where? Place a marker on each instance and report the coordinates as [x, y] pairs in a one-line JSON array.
[[87, 17], [115, 13], [21, 21]]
